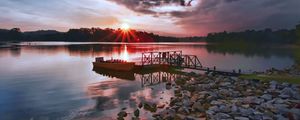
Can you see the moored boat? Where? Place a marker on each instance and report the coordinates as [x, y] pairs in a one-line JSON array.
[[113, 64]]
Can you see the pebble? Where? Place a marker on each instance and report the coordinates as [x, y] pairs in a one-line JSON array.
[[266, 97], [241, 118]]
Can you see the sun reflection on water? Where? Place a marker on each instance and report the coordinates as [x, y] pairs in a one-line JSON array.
[[125, 55]]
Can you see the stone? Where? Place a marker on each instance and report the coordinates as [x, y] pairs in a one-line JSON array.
[[190, 118], [287, 92], [195, 97], [266, 97], [160, 106], [246, 111], [225, 93], [234, 108], [278, 101], [214, 108], [150, 107], [136, 113], [224, 84], [177, 117], [220, 116], [135, 118], [184, 110], [210, 74], [174, 101], [225, 109], [186, 94], [273, 85], [210, 112], [284, 96], [122, 114], [280, 117], [180, 82], [215, 102], [267, 117], [186, 102], [201, 115], [234, 78], [246, 106], [252, 100], [296, 113], [120, 118], [198, 107], [241, 118], [256, 117], [285, 84]]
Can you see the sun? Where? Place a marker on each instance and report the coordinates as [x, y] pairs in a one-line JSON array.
[[125, 26]]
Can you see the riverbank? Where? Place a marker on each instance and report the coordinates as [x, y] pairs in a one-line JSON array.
[[290, 75], [223, 97]]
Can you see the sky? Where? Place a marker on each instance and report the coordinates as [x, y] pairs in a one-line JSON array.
[[164, 17]]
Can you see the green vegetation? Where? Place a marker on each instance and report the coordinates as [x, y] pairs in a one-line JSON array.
[[90, 35], [298, 34], [280, 78], [297, 49], [297, 56], [256, 37]]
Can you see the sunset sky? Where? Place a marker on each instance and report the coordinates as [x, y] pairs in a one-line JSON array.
[[165, 17]]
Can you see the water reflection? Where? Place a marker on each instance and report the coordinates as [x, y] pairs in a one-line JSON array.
[[112, 95], [57, 80], [157, 78], [247, 59], [128, 75], [124, 54]]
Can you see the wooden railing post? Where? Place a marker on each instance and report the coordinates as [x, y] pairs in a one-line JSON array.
[[151, 58], [142, 59]]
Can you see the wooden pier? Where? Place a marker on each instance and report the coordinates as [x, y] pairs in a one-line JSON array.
[[177, 59]]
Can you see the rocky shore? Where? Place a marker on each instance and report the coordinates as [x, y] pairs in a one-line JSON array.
[[216, 97], [292, 71]]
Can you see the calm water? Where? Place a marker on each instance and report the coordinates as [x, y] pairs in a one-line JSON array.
[[56, 80]]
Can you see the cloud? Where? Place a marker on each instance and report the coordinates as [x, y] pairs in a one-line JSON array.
[[146, 6], [218, 15], [56, 14], [182, 17]]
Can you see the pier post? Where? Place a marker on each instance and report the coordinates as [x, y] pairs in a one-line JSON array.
[[142, 59], [151, 58], [195, 61], [159, 57]]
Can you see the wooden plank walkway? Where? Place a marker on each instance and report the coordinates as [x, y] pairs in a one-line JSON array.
[[206, 69]]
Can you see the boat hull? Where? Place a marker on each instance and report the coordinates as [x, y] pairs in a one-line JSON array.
[[115, 66]]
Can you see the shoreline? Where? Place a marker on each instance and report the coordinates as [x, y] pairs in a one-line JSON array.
[[201, 97]]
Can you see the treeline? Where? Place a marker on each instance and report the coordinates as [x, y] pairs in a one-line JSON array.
[[260, 37], [246, 38], [89, 35]]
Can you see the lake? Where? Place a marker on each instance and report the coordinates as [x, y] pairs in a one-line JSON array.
[[56, 80]]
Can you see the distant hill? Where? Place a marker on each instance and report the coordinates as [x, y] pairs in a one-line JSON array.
[[90, 35]]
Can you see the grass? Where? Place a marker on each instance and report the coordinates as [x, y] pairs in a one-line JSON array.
[[279, 78], [297, 56]]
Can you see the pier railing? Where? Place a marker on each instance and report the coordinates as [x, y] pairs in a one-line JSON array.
[[177, 59]]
